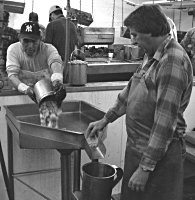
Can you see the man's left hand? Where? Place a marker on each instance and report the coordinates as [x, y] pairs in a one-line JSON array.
[[138, 180], [60, 92], [57, 85]]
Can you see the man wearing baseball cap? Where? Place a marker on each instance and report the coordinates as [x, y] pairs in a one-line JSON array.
[[31, 60], [53, 9], [33, 17], [56, 34]]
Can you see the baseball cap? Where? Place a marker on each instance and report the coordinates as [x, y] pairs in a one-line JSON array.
[[30, 30], [54, 8]]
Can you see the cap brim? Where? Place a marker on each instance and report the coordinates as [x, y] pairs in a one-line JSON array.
[[30, 36]]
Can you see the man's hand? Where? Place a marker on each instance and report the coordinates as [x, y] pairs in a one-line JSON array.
[[31, 94], [96, 128], [138, 180], [57, 85], [60, 92]]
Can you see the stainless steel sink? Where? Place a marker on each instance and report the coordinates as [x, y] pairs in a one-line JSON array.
[[24, 122], [25, 129]]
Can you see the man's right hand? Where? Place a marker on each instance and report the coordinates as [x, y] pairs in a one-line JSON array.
[[31, 94], [95, 129]]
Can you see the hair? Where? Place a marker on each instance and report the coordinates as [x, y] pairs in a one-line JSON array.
[[58, 12], [148, 19], [5, 16], [33, 17]]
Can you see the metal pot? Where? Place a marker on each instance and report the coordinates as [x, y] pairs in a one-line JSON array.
[[77, 72], [99, 179], [43, 89]]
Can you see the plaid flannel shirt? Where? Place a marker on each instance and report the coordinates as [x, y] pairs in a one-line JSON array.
[[171, 73]]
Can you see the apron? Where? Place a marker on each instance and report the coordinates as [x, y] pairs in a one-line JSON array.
[[166, 181], [30, 78]]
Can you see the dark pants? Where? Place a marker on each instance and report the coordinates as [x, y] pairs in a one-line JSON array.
[[164, 183]]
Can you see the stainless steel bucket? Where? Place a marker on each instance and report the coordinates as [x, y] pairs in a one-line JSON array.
[[43, 89], [99, 179], [77, 72]]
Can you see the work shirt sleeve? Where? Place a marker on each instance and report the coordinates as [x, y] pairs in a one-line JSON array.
[[119, 108], [171, 83], [53, 56]]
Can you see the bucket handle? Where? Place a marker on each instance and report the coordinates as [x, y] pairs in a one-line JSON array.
[[119, 175], [73, 52]]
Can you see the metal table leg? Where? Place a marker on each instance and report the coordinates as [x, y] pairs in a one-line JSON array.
[[66, 182], [10, 161], [70, 177], [5, 175], [76, 175]]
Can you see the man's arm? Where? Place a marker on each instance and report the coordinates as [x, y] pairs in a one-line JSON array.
[[13, 69], [12, 65], [119, 107], [54, 61]]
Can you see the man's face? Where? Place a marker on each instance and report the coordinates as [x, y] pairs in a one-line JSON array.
[[52, 17], [30, 46], [143, 40]]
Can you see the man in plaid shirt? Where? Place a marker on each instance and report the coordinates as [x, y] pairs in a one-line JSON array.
[[154, 102]]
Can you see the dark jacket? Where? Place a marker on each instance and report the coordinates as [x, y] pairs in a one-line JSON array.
[[56, 35]]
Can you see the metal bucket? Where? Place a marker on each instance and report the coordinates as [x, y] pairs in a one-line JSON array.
[[99, 179], [77, 72], [43, 89]]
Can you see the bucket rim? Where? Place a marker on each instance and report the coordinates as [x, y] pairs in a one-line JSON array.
[[106, 164]]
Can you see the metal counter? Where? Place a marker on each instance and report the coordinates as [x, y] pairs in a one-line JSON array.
[[23, 126]]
